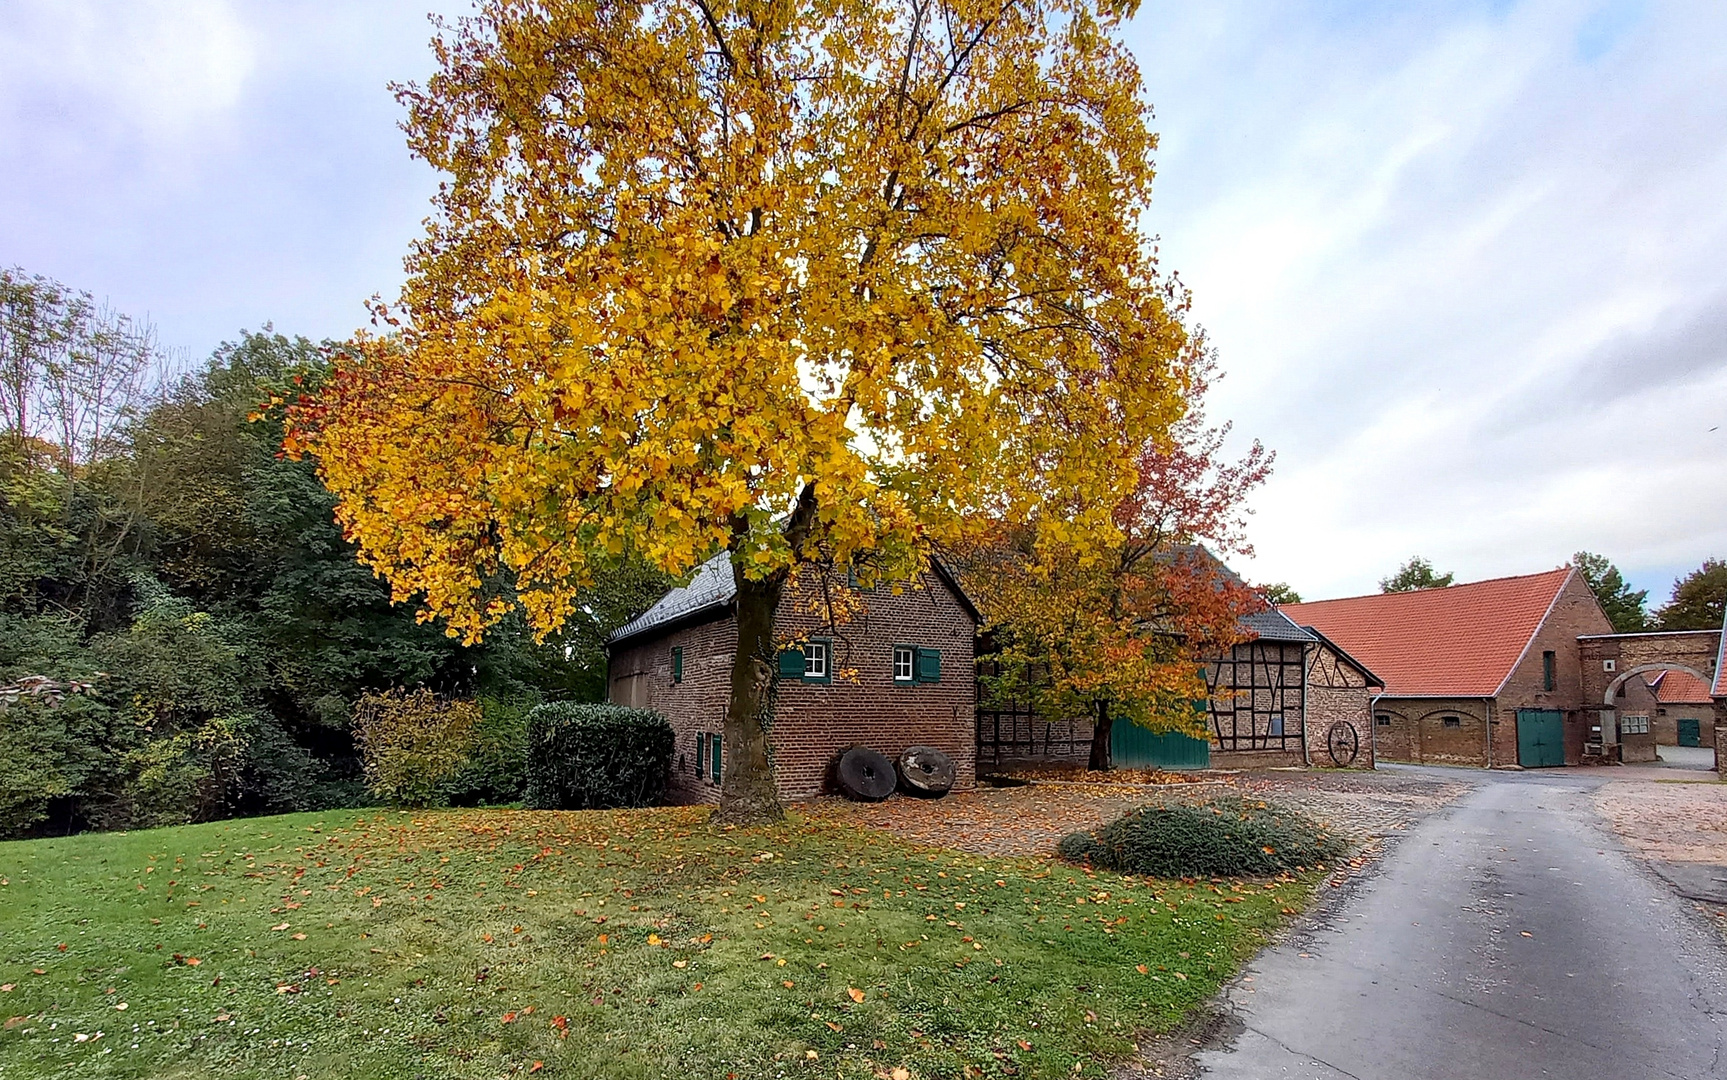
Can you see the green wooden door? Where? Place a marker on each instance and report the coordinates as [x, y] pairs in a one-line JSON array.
[[1133, 747], [1690, 733], [1540, 738]]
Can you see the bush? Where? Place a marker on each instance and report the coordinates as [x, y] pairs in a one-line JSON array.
[[493, 773], [413, 743], [596, 757], [1227, 837]]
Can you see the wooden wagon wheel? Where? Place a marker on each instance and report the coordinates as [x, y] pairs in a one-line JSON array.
[[1342, 743]]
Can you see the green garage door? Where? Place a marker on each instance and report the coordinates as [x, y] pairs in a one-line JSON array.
[[1133, 747], [1540, 738], [1690, 731]]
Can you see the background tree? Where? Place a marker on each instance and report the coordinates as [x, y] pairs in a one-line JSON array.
[[1623, 605], [792, 281], [1417, 573], [1278, 593], [1119, 634], [1699, 600]]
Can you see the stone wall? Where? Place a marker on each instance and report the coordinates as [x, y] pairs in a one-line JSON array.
[[863, 705], [1418, 731]]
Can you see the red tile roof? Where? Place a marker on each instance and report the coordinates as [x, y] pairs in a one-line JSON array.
[[1678, 688], [1457, 642]]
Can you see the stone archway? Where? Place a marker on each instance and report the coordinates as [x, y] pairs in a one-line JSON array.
[[1610, 714], [1613, 687]]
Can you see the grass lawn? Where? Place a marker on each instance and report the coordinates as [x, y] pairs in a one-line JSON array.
[[484, 943]]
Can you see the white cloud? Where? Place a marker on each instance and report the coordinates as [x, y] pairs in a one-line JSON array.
[[164, 65], [1461, 265]]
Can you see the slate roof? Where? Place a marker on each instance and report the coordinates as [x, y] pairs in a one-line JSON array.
[[711, 590], [1461, 641], [1678, 688], [710, 587], [1274, 625]]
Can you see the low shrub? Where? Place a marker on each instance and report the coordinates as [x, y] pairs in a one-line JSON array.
[[413, 743], [1225, 837], [498, 753], [596, 757]]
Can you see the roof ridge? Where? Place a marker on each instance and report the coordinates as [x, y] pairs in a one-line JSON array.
[[1434, 589]]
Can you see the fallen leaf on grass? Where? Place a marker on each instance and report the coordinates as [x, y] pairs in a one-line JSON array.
[[680, 963], [900, 1073], [280, 926], [536, 1066], [1142, 969], [1023, 1045], [855, 994], [833, 1026], [507, 1018], [787, 983], [298, 937], [6, 988]]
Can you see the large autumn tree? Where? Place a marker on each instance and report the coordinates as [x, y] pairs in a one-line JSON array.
[[1121, 631], [794, 279]]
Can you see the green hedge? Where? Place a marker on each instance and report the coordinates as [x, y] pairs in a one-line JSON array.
[[1226, 837], [596, 757]]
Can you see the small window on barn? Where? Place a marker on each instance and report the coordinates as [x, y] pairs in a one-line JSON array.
[[1382, 719], [1548, 662], [1276, 724], [678, 663], [1451, 721], [903, 669], [1609, 665]]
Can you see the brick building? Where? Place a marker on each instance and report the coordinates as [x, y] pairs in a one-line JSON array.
[[1678, 665], [1486, 674], [898, 672], [1683, 712]]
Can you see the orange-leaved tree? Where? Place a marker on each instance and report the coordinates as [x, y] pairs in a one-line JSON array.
[[785, 279], [1123, 632]]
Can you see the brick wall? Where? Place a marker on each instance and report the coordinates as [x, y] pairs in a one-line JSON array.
[[1575, 613], [1694, 649], [1337, 692], [863, 705], [1418, 732]]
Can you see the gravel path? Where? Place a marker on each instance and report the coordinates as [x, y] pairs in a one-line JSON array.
[[1029, 820]]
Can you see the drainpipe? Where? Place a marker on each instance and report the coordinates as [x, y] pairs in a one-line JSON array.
[[1306, 756], [1488, 703], [1373, 728]]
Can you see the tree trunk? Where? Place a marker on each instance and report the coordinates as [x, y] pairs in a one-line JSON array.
[[748, 795], [1101, 761], [747, 792]]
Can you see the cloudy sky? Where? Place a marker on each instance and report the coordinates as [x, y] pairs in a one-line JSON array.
[[1465, 263]]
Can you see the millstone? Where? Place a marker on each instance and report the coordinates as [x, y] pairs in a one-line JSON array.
[[924, 770], [864, 775]]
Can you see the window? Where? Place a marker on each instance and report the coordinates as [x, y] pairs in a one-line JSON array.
[[809, 662], [678, 664], [1382, 719], [1451, 721], [714, 743], [1277, 724], [701, 753], [816, 661], [1609, 665], [1548, 661], [903, 669], [1634, 725]]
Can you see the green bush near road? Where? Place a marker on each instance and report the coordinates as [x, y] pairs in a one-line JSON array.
[[1227, 836]]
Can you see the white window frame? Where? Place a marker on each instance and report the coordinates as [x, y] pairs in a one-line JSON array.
[[904, 663], [816, 660], [1634, 724]]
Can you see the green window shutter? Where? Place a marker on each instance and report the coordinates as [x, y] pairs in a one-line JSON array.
[[701, 753], [928, 665], [678, 664], [718, 757], [792, 663]]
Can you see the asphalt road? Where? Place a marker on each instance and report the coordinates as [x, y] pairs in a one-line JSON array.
[[1506, 936]]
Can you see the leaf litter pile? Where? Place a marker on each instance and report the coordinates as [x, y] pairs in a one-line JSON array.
[[592, 944]]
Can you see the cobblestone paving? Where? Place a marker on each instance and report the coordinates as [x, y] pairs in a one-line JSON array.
[[1030, 820]]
